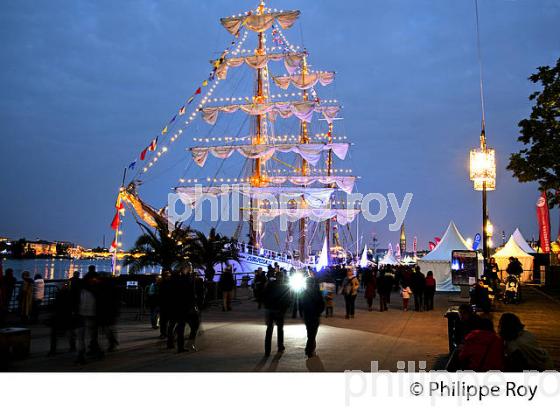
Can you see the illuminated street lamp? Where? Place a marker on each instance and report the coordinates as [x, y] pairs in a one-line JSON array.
[[483, 175]]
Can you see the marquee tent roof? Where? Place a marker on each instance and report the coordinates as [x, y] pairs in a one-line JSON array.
[[388, 259], [521, 242], [451, 240], [511, 248]]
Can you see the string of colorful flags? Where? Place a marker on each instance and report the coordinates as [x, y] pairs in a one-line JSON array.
[[152, 146]]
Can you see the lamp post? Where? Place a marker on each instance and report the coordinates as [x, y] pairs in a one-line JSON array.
[[483, 175]]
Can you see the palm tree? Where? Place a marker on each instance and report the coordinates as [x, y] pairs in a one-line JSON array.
[[169, 249], [208, 251]]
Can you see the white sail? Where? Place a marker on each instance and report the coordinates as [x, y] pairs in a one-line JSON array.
[[301, 109], [310, 152], [260, 22], [323, 258], [364, 259], [345, 183], [292, 61], [304, 81]]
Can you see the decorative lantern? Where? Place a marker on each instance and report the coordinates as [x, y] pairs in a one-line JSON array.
[[483, 168]]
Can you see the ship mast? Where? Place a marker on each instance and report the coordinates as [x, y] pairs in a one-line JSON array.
[[256, 178], [304, 139], [328, 221]]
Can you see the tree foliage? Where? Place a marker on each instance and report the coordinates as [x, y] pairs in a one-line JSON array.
[[540, 133]]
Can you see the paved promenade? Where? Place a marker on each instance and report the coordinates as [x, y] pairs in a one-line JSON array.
[[233, 341]]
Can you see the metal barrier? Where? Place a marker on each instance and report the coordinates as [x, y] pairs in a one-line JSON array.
[[51, 290]]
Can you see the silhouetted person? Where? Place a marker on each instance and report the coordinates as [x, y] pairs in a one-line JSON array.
[[38, 296], [370, 287], [429, 291], [480, 296], [482, 349], [259, 282], [8, 286], [227, 284], [350, 286], [62, 321], [521, 347], [107, 309], [88, 317], [153, 301], [183, 309], [384, 287], [514, 267], [25, 296], [276, 300], [418, 284], [312, 305], [165, 291]]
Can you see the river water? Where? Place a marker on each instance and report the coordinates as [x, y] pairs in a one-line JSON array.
[[61, 268]]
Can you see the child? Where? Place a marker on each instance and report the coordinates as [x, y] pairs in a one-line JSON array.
[[405, 293], [328, 291]]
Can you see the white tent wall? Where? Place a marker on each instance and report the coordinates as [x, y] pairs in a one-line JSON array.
[[442, 273], [512, 248], [439, 259]]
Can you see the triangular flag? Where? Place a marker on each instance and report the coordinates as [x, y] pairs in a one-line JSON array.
[[153, 144], [132, 165], [198, 91], [205, 83], [116, 221], [113, 246], [182, 110], [190, 100], [163, 131], [172, 119], [143, 154]]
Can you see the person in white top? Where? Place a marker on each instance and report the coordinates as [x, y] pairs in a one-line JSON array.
[[405, 293], [38, 296]]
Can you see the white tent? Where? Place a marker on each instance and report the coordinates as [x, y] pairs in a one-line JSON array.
[[388, 259], [439, 259], [512, 248], [520, 240]]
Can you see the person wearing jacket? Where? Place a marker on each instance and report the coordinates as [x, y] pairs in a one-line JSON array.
[[522, 350], [276, 301], [227, 284], [25, 296], [482, 349], [418, 284], [312, 304], [429, 291], [350, 286], [38, 296], [183, 310], [370, 287]]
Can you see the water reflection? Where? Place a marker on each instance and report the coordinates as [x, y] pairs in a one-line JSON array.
[[63, 268]]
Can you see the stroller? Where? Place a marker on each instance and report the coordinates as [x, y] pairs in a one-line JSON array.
[[512, 293]]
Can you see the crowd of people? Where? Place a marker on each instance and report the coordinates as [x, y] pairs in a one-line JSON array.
[[87, 308]]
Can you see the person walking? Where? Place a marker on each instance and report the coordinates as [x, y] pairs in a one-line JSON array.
[[350, 286], [8, 286], [312, 306], [152, 299], [418, 284], [370, 288], [276, 301], [259, 282], [429, 291], [165, 291], [25, 296], [107, 310], [384, 287], [405, 293], [183, 310], [62, 320], [87, 311], [227, 284]]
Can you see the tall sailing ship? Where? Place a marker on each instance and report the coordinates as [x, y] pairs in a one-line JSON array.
[[280, 141]]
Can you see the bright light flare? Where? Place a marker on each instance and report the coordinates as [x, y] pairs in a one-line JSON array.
[[297, 282]]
